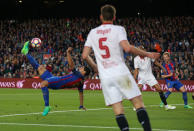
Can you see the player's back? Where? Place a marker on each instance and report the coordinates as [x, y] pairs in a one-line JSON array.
[[105, 41]]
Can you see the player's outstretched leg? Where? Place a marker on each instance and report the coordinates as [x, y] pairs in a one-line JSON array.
[[32, 61], [25, 51], [167, 107], [163, 98], [182, 89], [166, 96], [45, 92], [25, 48]]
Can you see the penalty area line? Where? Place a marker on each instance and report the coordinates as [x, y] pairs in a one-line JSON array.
[[79, 126]]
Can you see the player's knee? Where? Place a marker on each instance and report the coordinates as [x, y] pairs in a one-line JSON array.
[[170, 89], [44, 84], [137, 102], [118, 112], [182, 89], [158, 88], [118, 108]]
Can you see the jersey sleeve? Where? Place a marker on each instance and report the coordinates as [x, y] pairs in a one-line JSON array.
[[88, 40], [122, 35], [136, 65], [162, 72]]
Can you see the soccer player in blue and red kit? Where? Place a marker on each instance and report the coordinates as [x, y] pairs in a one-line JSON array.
[[172, 80], [74, 79]]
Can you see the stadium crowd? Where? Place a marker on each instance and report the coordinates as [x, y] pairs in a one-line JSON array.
[[173, 34]]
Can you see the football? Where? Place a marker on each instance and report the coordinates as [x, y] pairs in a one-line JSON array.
[[35, 42]]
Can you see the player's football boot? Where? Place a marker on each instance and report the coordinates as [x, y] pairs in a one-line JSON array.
[[46, 110], [188, 106], [161, 104], [169, 107], [82, 108], [25, 48]]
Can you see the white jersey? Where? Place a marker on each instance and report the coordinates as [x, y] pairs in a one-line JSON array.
[[145, 75], [105, 41], [116, 80], [145, 67]]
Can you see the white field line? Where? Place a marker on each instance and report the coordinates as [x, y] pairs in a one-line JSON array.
[[96, 109], [29, 94], [35, 113], [79, 126]]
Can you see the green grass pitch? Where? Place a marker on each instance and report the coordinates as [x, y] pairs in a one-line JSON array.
[[20, 110]]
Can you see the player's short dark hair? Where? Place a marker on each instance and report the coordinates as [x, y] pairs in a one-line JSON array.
[[108, 12], [87, 70]]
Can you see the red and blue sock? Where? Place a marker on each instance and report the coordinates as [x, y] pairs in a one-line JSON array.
[[32, 61], [45, 92], [185, 98], [167, 94]]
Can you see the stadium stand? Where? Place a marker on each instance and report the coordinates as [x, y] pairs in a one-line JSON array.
[[173, 34]]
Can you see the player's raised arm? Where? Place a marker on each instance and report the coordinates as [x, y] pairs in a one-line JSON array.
[[69, 58], [88, 59], [159, 65], [132, 49], [136, 66], [136, 71], [166, 76]]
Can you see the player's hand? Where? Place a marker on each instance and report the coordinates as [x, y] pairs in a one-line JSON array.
[[171, 74], [82, 108], [69, 50], [164, 71], [153, 55]]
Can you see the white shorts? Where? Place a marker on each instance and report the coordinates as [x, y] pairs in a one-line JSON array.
[[149, 80], [115, 89]]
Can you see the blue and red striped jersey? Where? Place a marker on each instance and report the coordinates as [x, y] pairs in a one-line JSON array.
[[170, 68], [67, 81]]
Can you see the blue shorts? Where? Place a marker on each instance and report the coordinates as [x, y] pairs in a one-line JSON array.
[[176, 84]]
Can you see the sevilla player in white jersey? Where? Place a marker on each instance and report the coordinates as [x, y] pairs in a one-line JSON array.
[[143, 69], [108, 42]]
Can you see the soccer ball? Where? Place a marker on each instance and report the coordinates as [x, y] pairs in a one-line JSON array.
[[35, 42]]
